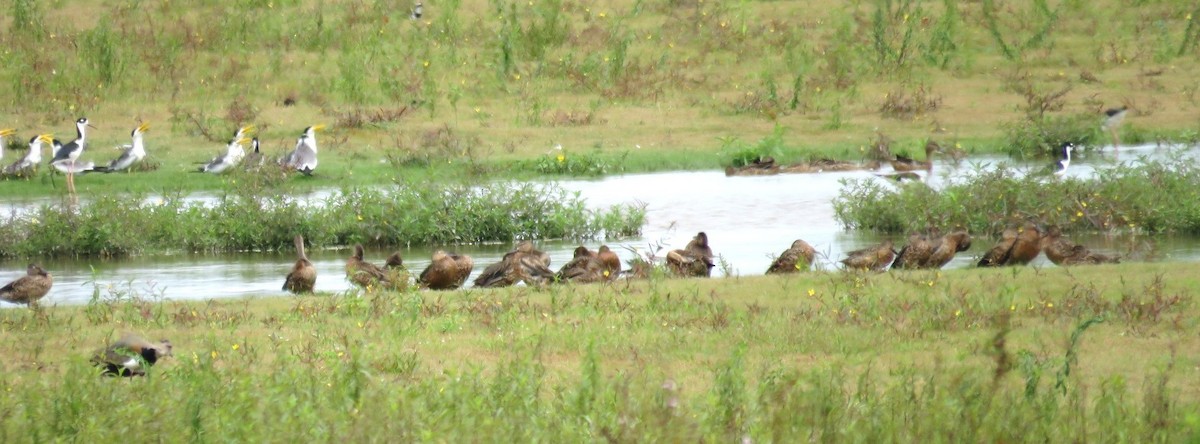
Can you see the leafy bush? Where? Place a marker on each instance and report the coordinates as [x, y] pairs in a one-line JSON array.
[[1155, 196], [240, 220]]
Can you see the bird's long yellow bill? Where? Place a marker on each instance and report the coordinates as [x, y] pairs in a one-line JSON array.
[[7, 132], [143, 127]]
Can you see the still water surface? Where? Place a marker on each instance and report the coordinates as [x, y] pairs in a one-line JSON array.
[[748, 220]]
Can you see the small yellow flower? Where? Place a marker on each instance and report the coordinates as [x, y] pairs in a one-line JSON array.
[[1012, 308], [812, 292], [214, 354], [360, 217], [957, 313], [235, 347], [1049, 305], [1084, 204], [1078, 214], [562, 158]]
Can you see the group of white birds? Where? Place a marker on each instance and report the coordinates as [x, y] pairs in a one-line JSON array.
[[303, 158], [66, 156]]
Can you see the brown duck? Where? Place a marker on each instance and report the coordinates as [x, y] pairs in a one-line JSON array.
[[1063, 252], [875, 258], [916, 254], [365, 274], [523, 263], [798, 257], [584, 267], [447, 271], [1017, 246], [303, 275], [612, 262], [130, 356], [28, 289], [949, 245], [902, 163], [694, 260]]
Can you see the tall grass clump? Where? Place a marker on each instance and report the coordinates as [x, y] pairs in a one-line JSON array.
[[414, 213], [1153, 196]]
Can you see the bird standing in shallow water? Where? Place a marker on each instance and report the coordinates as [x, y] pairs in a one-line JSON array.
[[303, 276], [28, 289], [130, 356], [1113, 117], [134, 153], [1060, 166]]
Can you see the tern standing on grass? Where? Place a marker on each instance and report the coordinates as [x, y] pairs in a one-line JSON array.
[[304, 157], [134, 152]]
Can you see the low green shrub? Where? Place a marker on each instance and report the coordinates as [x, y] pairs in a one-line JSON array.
[[1153, 196], [240, 220]]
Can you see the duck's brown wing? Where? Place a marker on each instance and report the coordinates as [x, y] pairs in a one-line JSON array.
[[366, 274], [302, 278], [496, 275], [26, 289]]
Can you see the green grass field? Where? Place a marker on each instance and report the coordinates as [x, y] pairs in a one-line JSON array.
[[644, 85], [1105, 353]]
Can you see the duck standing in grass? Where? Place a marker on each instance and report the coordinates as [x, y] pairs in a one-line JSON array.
[[875, 258], [27, 166], [365, 274], [585, 267], [798, 257], [304, 157], [447, 271], [694, 260], [28, 289], [134, 152], [523, 263], [303, 276], [130, 356]]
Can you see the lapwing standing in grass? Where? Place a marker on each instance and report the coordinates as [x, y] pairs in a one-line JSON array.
[[417, 12], [5, 133], [27, 165], [66, 156], [304, 157], [130, 356], [1060, 167], [28, 289], [303, 276], [1113, 117], [132, 154]]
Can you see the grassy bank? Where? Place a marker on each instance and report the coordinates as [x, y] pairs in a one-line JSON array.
[[495, 82], [258, 216], [1154, 197], [983, 355]]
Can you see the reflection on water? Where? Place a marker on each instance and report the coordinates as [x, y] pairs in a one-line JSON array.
[[748, 220]]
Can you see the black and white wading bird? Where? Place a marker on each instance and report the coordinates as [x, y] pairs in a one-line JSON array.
[[27, 165], [1113, 117], [1060, 166], [66, 157], [132, 154], [130, 356], [417, 11], [304, 157]]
